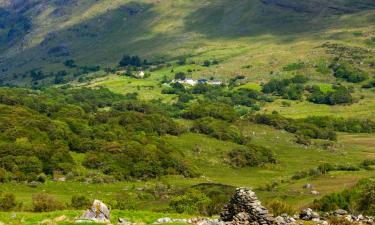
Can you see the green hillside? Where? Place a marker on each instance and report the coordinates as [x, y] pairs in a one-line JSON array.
[[99, 32], [163, 107]]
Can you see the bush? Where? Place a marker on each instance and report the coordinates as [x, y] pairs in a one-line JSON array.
[[359, 199], [287, 88], [294, 66], [80, 202], [192, 202], [180, 76], [216, 110], [3, 175], [301, 128], [131, 61], [250, 155], [348, 72], [334, 201], [278, 207], [219, 129], [341, 95], [7, 201], [367, 200], [219, 194], [43, 202]]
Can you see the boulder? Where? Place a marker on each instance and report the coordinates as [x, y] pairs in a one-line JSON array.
[[340, 212], [98, 213], [308, 214], [164, 220], [122, 221], [307, 186]]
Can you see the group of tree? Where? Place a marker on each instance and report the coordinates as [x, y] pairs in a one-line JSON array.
[[359, 200], [292, 88], [301, 128], [135, 61], [340, 95], [348, 72], [123, 142]]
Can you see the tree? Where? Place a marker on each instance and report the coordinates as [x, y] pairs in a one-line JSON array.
[[70, 63], [7, 201], [180, 76], [80, 202], [130, 61], [43, 202], [367, 200], [340, 96], [207, 63], [192, 202], [181, 61]]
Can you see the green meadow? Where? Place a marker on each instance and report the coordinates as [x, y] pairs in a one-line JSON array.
[[71, 109]]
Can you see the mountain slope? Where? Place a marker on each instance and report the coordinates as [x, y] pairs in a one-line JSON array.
[[43, 34]]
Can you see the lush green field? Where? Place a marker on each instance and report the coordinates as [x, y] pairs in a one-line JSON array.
[[208, 155]]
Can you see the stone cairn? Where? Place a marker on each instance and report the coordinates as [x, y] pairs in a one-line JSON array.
[[245, 208]]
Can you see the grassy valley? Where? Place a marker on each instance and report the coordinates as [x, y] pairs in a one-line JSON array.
[[163, 108]]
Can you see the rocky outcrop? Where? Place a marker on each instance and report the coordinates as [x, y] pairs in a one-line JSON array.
[[98, 213], [245, 208]]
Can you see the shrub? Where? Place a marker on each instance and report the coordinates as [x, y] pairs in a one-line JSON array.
[[216, 110], [298, 127], [131, 61], [219, 129], [3, 175], [334, 201], [341, 95], [359, 199], [80, 202], [7, 201], [348, 72], [180, 76], [287, 88], [192, 202], [43, 202], [334, 220], [250, 155], [278, 207], [219, 194], [207, 63], [367, 200], [294, 66]]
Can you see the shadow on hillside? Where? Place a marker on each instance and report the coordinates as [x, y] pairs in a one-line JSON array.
[[102, 39], [218, 19]]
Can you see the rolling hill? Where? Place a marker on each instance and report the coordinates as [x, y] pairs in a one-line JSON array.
[[168, 105], [43, 34]]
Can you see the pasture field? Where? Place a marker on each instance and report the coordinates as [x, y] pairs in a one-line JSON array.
[[209, 155]]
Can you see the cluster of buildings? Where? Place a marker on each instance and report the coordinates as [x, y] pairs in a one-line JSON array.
[[192, 82]]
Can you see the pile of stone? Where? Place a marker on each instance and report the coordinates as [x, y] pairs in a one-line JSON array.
[[309, 215], [98, 213], [245, 208], [285, 219]]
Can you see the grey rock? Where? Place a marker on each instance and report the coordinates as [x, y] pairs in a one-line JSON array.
[[340, 212], [164, 220], [98, 213], [122, 221]]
